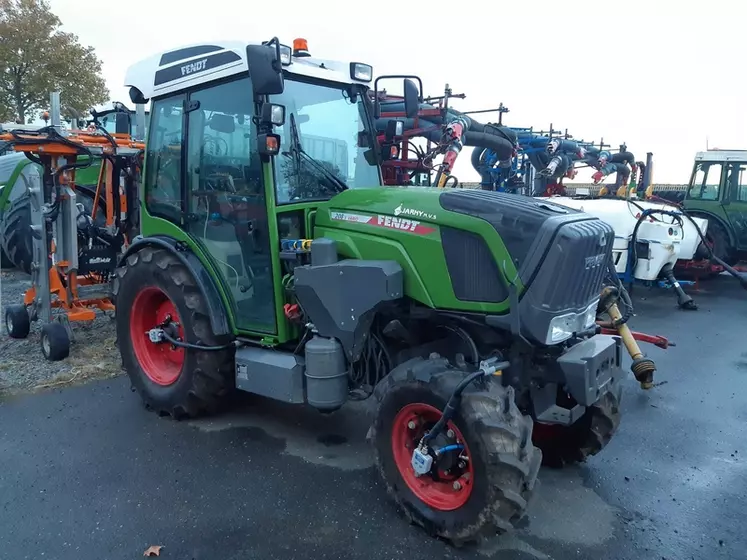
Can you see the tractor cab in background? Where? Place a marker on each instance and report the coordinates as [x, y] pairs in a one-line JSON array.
[[718, 192], [116, 118]]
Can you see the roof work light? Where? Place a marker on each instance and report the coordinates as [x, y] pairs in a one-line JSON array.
[[285, 55], [361, 72]]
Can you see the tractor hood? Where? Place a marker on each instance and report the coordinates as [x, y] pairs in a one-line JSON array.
[[417, 203], [459, 248]]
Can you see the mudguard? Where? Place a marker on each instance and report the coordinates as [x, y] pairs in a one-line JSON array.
[[206, 283]]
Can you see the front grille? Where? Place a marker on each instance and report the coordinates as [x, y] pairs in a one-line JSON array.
[[472, 268], [575, 265], [516, 218]]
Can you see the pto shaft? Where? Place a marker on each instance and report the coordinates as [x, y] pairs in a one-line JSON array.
[[643, 368]]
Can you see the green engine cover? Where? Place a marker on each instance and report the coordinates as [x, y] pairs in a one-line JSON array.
[[405, 225]]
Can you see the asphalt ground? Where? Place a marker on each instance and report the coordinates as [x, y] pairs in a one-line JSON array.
[[87, 472]]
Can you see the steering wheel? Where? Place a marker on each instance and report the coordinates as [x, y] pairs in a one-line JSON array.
[[217, 142]]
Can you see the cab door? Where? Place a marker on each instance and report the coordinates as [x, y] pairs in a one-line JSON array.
[[226, 210], [735, 202]]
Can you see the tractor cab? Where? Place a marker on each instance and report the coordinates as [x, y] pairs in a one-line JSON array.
[[244, 143], [718, 192]]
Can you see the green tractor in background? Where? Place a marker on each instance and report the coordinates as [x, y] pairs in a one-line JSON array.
[[265, 266], [15, 172], [718, 193]]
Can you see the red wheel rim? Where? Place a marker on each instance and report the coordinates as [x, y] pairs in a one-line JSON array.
[[545, 433], [437, 494], [161, 362]]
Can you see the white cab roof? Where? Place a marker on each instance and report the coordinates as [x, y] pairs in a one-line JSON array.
[[721, 155], [191, 65]]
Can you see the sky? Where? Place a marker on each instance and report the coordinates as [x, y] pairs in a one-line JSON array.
[[662, 76]]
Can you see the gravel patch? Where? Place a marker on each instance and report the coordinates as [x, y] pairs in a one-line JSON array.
[[93, 354]]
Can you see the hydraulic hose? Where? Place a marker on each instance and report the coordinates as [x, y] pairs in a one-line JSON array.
[[623, 157], [190, 346], [678, 214], [500, 139], [455, 400], [731, 270]]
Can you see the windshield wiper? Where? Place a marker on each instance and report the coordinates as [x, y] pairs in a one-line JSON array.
[[297, 151]]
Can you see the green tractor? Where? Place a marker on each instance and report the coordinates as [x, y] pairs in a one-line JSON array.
[[269, 266], [718, 193]]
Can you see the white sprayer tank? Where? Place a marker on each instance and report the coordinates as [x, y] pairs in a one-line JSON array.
[[664, 239]]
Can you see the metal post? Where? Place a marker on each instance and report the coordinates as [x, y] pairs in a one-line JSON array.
[[140, 122], [648, 173], [55, 112], [41, 306]]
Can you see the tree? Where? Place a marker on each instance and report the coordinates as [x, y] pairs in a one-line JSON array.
[[37, 58]]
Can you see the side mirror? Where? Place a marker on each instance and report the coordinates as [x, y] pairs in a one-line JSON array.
[[272, 114], [137, 97], [412, 94], [412, 102], [265, 68], [122, 123], [394, 129]]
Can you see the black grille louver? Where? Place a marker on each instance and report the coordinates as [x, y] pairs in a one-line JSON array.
[[518, 219], [573, 270], [560, 253], [473, 271]]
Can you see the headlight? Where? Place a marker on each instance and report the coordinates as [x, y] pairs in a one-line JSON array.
[[565, 326], [590, 316], [561, 328]]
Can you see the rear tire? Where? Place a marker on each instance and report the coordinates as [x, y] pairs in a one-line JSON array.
[[5, 261], [15, 228], [15, 233], [567, 445], [720, 244], [497, 437], [170, 380]]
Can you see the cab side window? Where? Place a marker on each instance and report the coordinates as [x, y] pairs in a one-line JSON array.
[[706, 183], [737, 182], [163, 193]]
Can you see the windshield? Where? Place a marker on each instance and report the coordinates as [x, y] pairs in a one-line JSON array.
[[334, 130], [109, 122], [706, 181]]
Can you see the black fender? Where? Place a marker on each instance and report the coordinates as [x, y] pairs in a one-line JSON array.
[[206, 283], [716, 218]]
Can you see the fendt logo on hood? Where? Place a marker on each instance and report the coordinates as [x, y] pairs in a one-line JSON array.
[[402, 211]]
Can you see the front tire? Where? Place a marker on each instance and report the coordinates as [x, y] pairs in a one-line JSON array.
[[497, 439], [172, 380], [568, 445]]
